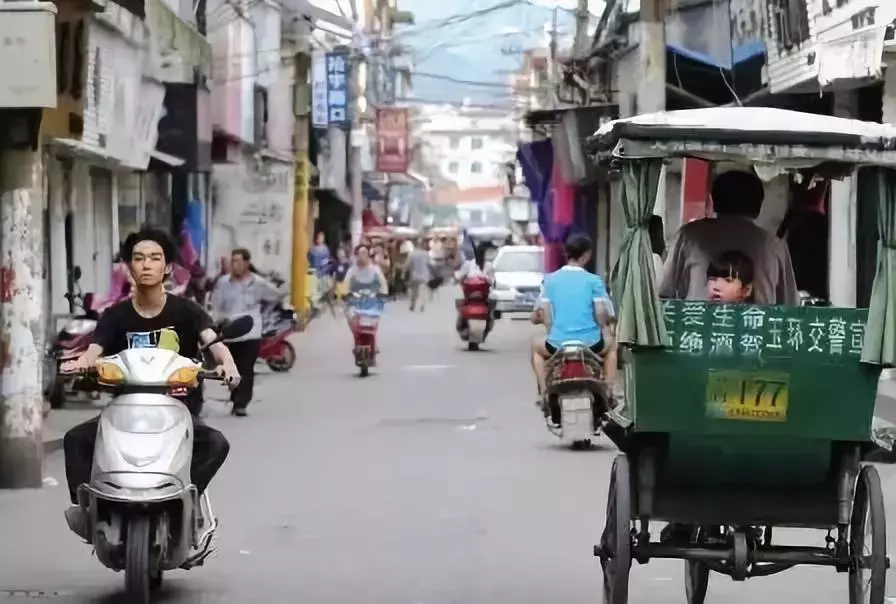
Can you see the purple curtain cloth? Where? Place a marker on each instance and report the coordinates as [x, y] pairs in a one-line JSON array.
[[537, 161]]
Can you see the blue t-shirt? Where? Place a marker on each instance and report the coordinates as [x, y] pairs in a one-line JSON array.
[[319, 257], [571, 292], [340, 270]]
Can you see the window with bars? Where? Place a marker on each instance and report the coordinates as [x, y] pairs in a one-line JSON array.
[[70, 58], [789, 21]]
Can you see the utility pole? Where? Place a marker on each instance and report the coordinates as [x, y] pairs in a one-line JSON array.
[[652, 55], [385, 93], [580, 45], [301, 110], [555, 67], [356, 173], [21, 320]]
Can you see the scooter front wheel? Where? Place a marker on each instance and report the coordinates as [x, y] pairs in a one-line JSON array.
[[138, 572], [285, 361]]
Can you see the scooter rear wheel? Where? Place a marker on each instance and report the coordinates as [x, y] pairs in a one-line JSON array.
[[138, 573], [472, 346]]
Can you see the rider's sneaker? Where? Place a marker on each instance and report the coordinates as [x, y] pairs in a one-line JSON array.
[[77, 521], [676, 533]]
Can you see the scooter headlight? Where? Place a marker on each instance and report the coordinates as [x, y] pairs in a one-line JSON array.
[[184, 377], [110, 373], [79, 327], [142, 419]]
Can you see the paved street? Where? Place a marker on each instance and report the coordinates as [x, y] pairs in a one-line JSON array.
[[433, 481]]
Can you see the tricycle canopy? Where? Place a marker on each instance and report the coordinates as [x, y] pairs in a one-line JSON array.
[[757, 135]]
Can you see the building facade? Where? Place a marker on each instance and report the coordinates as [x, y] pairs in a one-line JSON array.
[[469, 146], [252, 182]]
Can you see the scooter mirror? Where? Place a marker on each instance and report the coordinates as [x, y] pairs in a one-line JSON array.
[[236, 328]]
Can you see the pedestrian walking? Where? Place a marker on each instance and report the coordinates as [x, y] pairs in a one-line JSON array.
[[419, 274], [241, 293], [340, 270]]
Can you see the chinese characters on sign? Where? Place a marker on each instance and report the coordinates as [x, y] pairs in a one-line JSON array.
[[330, 89], [337, 89], [703, 329], [319, 117], [392, 140]]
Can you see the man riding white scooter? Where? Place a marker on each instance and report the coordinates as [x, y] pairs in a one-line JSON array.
[[149, 319], [574, 305]]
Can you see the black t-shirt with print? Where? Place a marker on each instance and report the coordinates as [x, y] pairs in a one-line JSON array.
[[176, 328]]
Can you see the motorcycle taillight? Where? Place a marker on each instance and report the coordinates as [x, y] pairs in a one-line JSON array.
[[571, 370]]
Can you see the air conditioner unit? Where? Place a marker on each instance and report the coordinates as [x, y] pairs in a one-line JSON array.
[[28, 35]]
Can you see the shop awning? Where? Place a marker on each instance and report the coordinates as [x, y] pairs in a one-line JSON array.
[[90, 153], [171, 160]]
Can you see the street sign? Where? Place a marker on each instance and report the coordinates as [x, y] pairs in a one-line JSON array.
[[331, 89], [393, 153]]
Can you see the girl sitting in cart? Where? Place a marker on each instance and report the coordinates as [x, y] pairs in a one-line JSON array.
[[729, 278]]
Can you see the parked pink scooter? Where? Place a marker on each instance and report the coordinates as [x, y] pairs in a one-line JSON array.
[[71, 342]]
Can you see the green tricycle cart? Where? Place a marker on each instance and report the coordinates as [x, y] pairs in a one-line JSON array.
[[740, 418]]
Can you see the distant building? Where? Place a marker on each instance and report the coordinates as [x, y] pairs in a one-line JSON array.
[[468, 146]]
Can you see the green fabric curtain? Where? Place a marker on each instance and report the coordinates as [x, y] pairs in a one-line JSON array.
[[633, 279], [880, 333]]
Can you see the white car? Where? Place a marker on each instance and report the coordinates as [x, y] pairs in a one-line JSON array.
[[517, 273]]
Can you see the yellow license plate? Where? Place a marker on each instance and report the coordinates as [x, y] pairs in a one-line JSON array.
[[747, 396]]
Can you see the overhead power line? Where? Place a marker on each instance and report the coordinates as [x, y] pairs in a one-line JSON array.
[[455, 19]]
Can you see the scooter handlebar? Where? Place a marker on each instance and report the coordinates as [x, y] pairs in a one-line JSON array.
[[211, 375]]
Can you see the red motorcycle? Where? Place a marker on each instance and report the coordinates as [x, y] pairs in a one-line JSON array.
[[276, 350], [474, 311], [365, 310]]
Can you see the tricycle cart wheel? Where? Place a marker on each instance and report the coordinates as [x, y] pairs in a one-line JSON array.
[[616, 542], [868, 541], [696, 573], [56, 393]]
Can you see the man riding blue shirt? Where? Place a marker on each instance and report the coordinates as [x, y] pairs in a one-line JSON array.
[[575, 306]]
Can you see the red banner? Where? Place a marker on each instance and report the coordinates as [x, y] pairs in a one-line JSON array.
[[392, 140]]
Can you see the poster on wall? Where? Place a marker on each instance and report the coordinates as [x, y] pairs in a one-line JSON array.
[[392, 154]]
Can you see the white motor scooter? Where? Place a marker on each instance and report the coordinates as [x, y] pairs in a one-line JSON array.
[[144, 514], [575, 401]]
